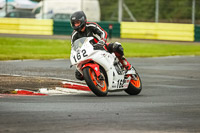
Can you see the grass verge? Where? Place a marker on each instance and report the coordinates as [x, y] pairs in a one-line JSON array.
[[25, 48]]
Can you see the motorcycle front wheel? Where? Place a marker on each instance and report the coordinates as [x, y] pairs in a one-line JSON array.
[[98, 87]]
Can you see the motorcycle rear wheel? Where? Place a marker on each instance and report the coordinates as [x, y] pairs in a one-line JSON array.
[[98, 87], [135, 86]]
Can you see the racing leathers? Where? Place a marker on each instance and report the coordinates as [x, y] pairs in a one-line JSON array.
[[94, 30]]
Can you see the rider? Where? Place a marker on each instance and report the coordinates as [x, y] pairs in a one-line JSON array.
[[82, 28]]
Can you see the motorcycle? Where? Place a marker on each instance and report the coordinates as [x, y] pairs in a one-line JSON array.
[[101, 70]]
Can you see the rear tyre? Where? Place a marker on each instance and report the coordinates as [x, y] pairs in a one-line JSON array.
[[98, 87], [135, 85]]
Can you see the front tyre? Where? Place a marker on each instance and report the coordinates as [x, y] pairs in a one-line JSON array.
[[135, 85], [98, 87]]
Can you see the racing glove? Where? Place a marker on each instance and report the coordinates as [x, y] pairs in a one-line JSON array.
[[99, 45]]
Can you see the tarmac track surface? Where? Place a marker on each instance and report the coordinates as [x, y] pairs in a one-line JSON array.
[[169, 101]]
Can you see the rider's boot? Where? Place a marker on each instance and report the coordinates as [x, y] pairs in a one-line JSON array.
[[128, 67], [125, 63]]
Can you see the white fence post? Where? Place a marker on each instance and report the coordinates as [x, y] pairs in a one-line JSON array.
[[156, 11], [193, 11], [120, 10]]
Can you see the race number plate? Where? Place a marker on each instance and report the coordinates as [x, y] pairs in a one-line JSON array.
[[121, 84]]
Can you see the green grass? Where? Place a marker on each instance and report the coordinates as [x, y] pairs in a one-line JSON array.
[[156, 50], [23, 48]]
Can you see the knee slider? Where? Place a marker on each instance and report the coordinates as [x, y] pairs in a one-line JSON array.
[[78, 75]]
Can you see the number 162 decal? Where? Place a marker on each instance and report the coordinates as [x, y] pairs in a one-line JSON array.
[[80, 54]]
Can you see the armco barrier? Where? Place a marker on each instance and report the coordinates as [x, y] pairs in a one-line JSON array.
[[157, 31], [26, 26], [197, 33], [64, 28], [137, 30]]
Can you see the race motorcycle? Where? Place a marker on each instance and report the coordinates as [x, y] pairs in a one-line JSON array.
[[101, 70]]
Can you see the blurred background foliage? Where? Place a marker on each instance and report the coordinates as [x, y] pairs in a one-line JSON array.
[[175, 11], [171, 11]]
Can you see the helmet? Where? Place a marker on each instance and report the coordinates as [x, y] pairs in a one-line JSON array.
[[78, 16]]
